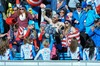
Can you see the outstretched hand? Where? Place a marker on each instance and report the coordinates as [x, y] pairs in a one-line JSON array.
[[42, 5]]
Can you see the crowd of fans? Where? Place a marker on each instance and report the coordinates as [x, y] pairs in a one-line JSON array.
[[55, 30]]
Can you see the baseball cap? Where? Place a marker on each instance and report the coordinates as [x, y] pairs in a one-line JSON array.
[[78, 5]]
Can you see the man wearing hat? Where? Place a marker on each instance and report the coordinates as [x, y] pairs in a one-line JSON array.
[[79, 17]]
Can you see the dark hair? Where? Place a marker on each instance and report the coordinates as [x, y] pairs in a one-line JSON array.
[[48, 12], [97, 20], [90, 7], [4, 46], [91, 45]]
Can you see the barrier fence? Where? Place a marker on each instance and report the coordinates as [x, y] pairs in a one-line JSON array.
[[49, 63]]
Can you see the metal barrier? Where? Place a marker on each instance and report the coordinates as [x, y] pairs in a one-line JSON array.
[[49, 63]]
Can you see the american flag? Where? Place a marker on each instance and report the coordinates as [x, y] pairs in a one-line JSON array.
[[23, 31]]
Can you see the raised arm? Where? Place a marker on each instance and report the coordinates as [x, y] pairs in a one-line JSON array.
[[45, 17], [2, 35], [33, 52], [51, 42], [38, 54]]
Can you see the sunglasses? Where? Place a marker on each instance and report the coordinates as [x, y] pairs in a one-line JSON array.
[[21, 9], [66, 23], [15, 10]]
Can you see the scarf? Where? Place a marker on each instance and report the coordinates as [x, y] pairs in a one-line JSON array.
[[22, 17]]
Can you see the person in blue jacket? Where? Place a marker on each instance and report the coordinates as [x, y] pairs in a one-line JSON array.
[[79, 17], [90, 17], [1, 23], [94, 33]]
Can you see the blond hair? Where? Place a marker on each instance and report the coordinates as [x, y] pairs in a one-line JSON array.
[[66, 29], [45, 43]]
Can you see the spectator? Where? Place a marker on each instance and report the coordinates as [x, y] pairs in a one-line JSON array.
[[90, 51], [70, 32], [27, 50], [44, 53], [74, 51], [22, 17], [5, 52], [91, 16], [54, 21], [15, 9], [33, 34], [63, 14], [42, 31], [79, 16], [14, 38], [94, 32]]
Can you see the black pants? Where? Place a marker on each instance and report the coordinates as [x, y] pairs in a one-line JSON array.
[[83, 37]]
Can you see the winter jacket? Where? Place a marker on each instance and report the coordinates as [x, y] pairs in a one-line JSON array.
[[90, 17], [80, 18], [95, 36]]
